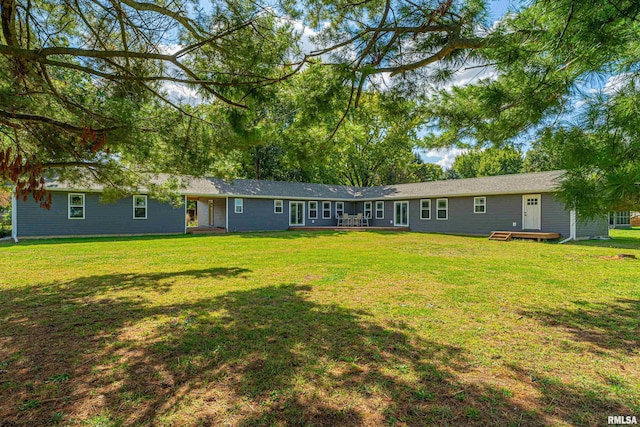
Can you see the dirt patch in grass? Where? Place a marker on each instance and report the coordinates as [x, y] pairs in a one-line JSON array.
[[619, 257]]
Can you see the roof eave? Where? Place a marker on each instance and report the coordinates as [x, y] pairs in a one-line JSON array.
[[475, 194]]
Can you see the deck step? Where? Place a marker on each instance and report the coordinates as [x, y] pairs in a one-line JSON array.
[[508, 235], [206, 230], [503, 236]]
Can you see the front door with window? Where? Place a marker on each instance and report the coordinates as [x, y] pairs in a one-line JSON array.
[[401, 214], [296, 213], [531, 212]]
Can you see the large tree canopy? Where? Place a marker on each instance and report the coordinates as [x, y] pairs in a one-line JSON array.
[[553, 59], [93, 83], [89, 82]]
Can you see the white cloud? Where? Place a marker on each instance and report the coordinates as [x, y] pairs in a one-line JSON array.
[[169, 49], [181, 93], [442, 156], [616, 83], [471, 74], [579, 103], [381, 81]]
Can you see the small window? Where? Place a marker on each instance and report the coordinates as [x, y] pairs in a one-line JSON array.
[[139, 207], [313, 210], [339, 209], [367, 209], [380, 210], [442, 211], [623, 218], [479, 205], [425, 209], [76, 206], [326, 210], [239, 206], [278, 206]]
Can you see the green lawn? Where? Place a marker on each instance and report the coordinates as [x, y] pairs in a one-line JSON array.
[[318, 329]]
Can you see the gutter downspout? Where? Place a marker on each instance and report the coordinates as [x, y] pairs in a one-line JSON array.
[[14, 216], [572, 227]]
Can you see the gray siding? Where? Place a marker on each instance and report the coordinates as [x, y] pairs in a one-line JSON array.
[[100, 219], [555, 218], [387, 221], [502, 212], [591, 228], [258, 215]]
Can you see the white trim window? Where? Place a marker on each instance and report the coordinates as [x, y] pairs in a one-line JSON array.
[[76, 206], [368, 207], [425, 209], [442, 209], [313, 210], [326, 210], [278, 206], [623, 218], [296, 213], [139, 206], [401, 214], [238, 206], [480, 205], [339, 209], [380, 209]]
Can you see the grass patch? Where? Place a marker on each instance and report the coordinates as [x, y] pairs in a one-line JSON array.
[[318, 329]]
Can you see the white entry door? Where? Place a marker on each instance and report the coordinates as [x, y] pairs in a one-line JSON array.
[[401, 214], [531, 211], [296, 213]]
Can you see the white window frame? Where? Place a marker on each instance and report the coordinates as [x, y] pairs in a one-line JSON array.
[[483, 204], [146, 206], [278, 204], [310, 209], [339, 209], [326, 211], [83, 206], [380, 210], [299, 203], [446, 209], [368, 211], [623, 218], [427, 209], [237, 205], [395, 213]]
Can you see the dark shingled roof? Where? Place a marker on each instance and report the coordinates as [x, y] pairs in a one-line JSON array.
[[259, 188], [538, 182]]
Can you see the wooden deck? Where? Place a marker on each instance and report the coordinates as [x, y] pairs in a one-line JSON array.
[[340, 228], [508, 235], [206, 230]]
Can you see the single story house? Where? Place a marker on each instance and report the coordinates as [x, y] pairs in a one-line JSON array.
[[478, 206]]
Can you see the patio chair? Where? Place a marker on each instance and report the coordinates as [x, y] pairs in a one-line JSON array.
[[365, 220], [346, 220], [359, 220]]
